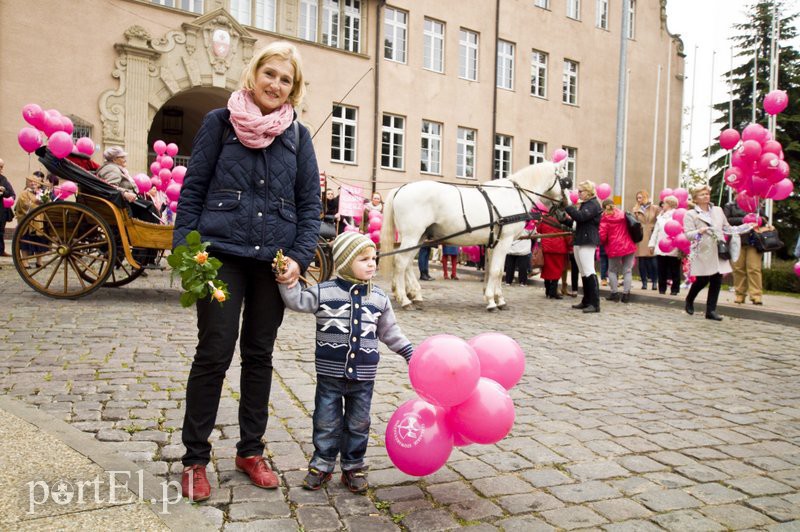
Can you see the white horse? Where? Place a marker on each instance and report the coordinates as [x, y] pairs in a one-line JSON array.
[[438, 210]]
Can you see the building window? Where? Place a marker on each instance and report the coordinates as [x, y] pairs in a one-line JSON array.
[[539, 74], [631, 19], [468, 55], [505, 65], [574, 9], [502, 156], [572, 162], [330, 23], [352, 25], [307, 28], [431, 152], [240, 10], [570, 82], [392, 141], [195, 6], [258, 13], [544, 4], [537, 152], [433, 49], [602, 14], [343, 134], [465, 153], [394, 40]]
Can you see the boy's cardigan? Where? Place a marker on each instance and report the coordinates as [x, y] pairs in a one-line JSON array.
[[349, 326]]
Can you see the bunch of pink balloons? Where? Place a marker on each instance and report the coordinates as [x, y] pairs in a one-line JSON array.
[[675, 236], [374, 223], [463, 399], [680, 193], [165, 176], [473, 253], [56, 128], [758, 168]]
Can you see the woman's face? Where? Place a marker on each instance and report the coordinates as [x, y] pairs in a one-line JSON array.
[[583, 194], [121, 161], [639, 198], [329, 193], [376, 199], [703, 197], [273, 84]]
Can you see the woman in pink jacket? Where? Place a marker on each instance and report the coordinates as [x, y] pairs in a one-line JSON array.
[[620, 249]]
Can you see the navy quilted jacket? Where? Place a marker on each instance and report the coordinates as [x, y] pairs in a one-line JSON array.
[[251, 202]]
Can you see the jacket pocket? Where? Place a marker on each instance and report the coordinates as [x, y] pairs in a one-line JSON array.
[[287, 210], [219, 217]]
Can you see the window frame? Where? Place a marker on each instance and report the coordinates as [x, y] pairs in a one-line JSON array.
[[466, 150], [503, 155], [601, 14], [396, 141], [569, 88], [505, 65], [539, 73], [399, 30], [345, 124], [572, 161], [535, 156], [305, 29], [539, 4], [574, 9], [631, 19], [434, 140], [331, 23], [430, 40], [352, 25], [464, 49]]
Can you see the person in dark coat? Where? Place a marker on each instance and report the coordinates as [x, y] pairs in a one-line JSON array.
[[587, 237], [747, 267], [251, 189], [6, 214]]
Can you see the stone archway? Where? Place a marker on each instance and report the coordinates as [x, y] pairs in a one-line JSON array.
[[211, 51]]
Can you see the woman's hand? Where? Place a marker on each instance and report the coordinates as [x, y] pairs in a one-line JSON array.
[[652, 250], [290, 275], [129, 196]]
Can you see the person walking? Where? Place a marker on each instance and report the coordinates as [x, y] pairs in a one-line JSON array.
[[251, 189], [620, 249], [6, 213], [669, 262], [450, 254], [587, 237], [747, 266], [646, 213]]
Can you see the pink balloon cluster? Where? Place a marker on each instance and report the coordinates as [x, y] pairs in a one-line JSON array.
[[473, 253], [463, 399], [55, 127], [675, 236], [8, 202], [165, 176], [374, 223], [681, 194]]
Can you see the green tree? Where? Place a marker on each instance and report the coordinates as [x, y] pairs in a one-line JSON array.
[[757, 32]]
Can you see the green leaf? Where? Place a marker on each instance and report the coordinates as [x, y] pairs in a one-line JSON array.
[[174, 261], [188, 299], [214, 262], [193, 238]]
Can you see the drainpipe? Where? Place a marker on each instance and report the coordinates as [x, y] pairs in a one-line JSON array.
[[377, 91], [494, 85]]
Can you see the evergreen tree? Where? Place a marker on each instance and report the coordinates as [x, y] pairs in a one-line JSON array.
[[757, 32]]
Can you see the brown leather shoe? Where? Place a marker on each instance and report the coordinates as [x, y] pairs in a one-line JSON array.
[[259, 472], [194, 483]]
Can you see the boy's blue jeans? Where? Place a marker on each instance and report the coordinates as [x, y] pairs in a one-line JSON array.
[[341, 422]]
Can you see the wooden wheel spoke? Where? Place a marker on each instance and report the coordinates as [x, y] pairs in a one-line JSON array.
[[98, 245], [71, 262], [86, 266], [77, 225], [53, 227], [53, 275], [87, 233]]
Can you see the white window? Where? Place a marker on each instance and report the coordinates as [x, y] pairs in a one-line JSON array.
[[433, 49], [631, 19], [505, 65], [394, 39], [572, 162], [465, 153], [343, 134], [539, 74], [81, 131], [431, 152], [570, 82], [537, 152], [602, 14], [502, 155], [574, 9], [241, 11], [392, 142], [352, 25], [258, 13], [307, 28], [468, 55], [330, 22], [545, 4]]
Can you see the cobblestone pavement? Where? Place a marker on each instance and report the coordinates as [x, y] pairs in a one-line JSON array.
[[639, 418]]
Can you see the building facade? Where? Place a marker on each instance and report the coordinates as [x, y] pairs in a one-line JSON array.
[[397, 91]]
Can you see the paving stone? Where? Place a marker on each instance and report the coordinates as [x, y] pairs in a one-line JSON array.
[[372, 523], [273, 525], [777, 508], [669, 480], [399, 493], [251, 493], [640, 464], [714, 493], [667, 500], [541, 478], [529, 502], [620, 509], [686, 520], [349, 504], [573, 517], [429, 520], [215, 515], [452, 493], [634, 525], [506, 461], [701, 473], [501, 485], [475, 510], [318, 518], [792, 526], [758, 486], [633, 485], [112, 435], [597, 470], [473, 469], [736, 517], [524, 524], [249, 511], [584, 492]]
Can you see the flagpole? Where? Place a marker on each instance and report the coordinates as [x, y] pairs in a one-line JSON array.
[[710, 118], [666, 116], [691, 111], [655, 136]]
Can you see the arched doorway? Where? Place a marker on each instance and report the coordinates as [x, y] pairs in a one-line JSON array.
[[181, 116]]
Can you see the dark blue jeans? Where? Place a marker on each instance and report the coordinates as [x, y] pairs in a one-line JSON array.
[[648, 270], [341, 422], [422, 260]]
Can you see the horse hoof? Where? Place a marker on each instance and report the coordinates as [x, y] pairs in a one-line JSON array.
[[502, 306], [419, 305], [408, 307], [491, 309]]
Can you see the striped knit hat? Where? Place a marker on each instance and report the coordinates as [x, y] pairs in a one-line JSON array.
[[346, 248]]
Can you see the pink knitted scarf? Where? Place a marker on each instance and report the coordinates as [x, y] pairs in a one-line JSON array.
[[256, 130]]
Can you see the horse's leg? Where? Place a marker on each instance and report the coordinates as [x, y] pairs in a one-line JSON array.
[[491, 276], [402, 263], [494, 273]]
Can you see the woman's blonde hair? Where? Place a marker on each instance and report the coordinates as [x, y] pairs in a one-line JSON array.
[[698, 189], [645, 195], [282, 50], [588, 186], [672, 201]]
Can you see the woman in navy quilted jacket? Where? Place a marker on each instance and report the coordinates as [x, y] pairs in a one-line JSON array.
[[251, 188]]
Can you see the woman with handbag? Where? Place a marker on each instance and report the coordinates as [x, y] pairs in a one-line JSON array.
[[646, 214], [706, 226]]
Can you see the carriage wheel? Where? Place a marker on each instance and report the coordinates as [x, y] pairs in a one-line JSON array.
[[63, 250], [123, 273], [320, 268]]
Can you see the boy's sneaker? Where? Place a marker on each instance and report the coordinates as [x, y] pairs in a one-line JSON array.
[[355, 480], [315, 479]]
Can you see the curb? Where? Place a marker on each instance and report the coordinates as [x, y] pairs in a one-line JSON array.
[[182, 516]]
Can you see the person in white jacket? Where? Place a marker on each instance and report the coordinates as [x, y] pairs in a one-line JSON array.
[[669, 262]]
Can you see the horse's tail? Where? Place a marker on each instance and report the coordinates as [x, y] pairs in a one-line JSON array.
[[387, 236]]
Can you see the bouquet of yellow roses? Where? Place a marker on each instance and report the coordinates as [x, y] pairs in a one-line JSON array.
[[198, 271]]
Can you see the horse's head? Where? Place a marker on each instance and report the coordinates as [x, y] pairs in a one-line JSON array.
[[548, 181], [564, 182]]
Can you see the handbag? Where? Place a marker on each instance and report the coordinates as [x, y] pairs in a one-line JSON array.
[[766, 239], [723, 250], [537, 257], [635, 230]]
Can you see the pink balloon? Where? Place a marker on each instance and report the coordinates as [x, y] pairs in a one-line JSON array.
[[29, 139], [775, 102], [728, 139], [159, 147], [783, 169], [173, 191], [167, 162], [374, 214], [69, 186], [357, 220], [559, 155], [375, 236], [172, 149], [351, 229], [755, 132], [173, 206], [501, 358], [444, 370], [682, 243], [60, 144], [33, 114], [458, 439], [8, 202], [155, 181], [746, 202], [797, 268], [673, 228], [164, 174], [573, 196], [486, 416], [418, 440], [155, 168], [85, 145], [782, 189], [666, 244], [682, 196], [772, 146], [603, 191], [759, 186], [678, 215], [752, 218], [664, 193], [178, 173], [66, 125], [51, 123], [733, 177], [143, 184], [374, 225], [751, 150]]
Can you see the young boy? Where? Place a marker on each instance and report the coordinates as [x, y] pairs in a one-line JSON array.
[[352, 315]]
